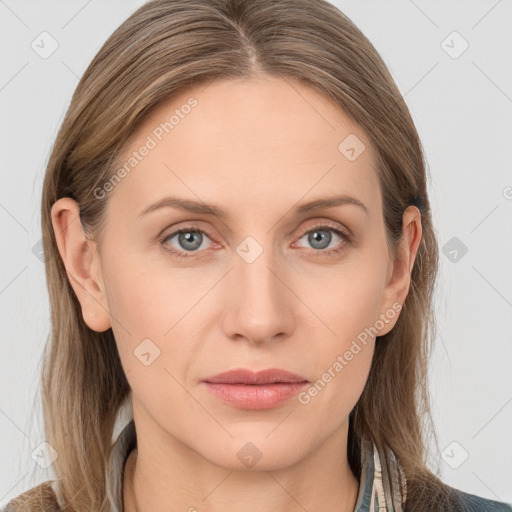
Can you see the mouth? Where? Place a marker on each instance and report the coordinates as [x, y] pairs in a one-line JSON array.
[[245, 389]]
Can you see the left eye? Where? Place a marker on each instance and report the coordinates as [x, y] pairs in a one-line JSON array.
[[320, 237]]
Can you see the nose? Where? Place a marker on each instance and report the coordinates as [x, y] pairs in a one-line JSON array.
[[259, 302]]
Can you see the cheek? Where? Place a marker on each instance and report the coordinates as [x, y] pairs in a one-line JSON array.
[[154, 317], [144, 309], [342, 357], [147, 297], [347, 301], [347, 298], [137, 309]]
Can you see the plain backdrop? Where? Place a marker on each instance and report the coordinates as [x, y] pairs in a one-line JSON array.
[[452, 61]]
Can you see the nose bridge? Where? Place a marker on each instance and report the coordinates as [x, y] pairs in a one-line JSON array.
[[260, 300], [255, 270]]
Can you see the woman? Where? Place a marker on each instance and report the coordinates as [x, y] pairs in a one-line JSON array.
[[240, 255]]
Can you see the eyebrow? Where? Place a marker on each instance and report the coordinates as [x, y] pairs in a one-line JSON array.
[[210, 209]]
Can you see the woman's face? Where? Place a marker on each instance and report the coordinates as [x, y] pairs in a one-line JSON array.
[[267, 284]]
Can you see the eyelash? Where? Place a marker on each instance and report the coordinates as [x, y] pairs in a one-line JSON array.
[[346, 240]]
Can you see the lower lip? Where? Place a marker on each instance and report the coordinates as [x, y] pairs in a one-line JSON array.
[[260, 396]]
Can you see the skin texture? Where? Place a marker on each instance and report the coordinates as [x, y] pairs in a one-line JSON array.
[[257, 148]]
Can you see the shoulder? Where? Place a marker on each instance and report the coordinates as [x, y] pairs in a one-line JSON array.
[[473, 503], [39, 498], [42, 498]]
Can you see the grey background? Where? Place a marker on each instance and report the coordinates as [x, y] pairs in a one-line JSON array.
[[462, 108]]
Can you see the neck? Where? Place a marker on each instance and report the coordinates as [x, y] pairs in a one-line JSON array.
[[321, 481]]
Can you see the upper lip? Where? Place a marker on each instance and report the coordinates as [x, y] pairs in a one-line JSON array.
[[246, 376]]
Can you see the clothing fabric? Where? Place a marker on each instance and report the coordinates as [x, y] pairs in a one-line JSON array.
[[374, 490]]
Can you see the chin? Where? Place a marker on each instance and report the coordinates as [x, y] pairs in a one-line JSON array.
[[255, 453]]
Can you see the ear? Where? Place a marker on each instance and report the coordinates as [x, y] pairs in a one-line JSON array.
[[82, 262], [399, 271]]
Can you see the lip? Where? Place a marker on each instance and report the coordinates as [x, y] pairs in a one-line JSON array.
[[245, 389], [246, 376]]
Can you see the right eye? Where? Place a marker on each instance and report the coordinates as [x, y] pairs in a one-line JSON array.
[[190, 239]]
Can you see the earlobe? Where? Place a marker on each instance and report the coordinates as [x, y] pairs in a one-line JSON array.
[[81, 261]]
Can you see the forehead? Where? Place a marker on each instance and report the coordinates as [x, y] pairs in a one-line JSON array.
[[237, 141]]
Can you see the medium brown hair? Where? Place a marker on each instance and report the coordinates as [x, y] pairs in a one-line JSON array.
[[162, 49]]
